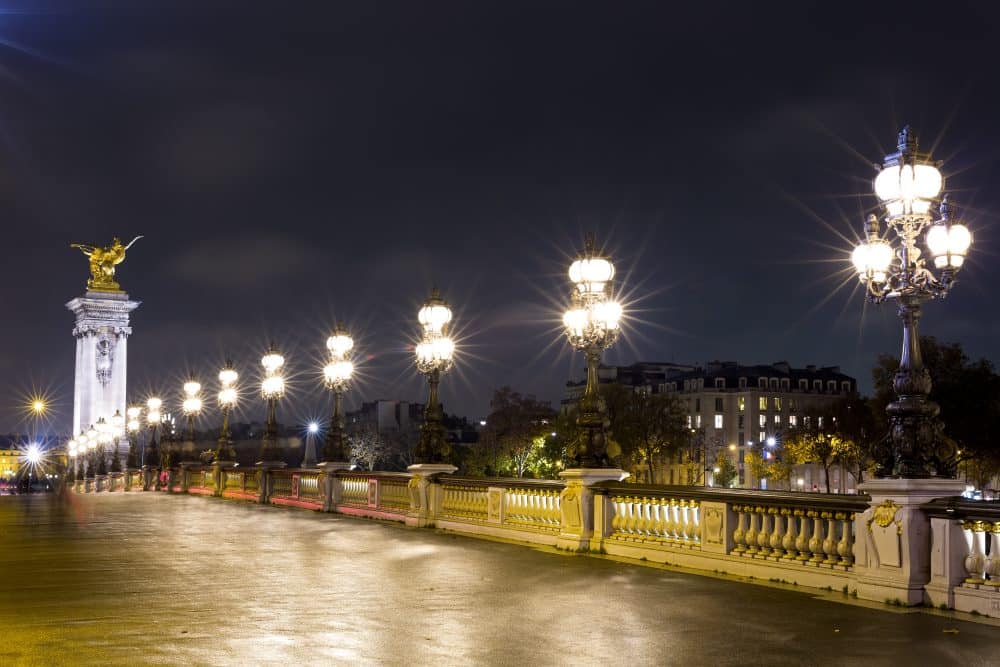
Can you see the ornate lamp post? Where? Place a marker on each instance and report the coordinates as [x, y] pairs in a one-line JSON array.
[[133, 425], [72, 449], [337, 377], [435, 354], [117, 429], [151, 454], [191, 407], [272, 388], [908, 185], [592, 325], [228, 396]]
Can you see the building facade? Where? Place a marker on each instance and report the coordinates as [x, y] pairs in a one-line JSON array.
[[732, 408]]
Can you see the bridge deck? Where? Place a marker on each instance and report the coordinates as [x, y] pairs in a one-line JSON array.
[[152, 578]]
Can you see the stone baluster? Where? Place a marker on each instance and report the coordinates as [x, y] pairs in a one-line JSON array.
[[751, 534], [791, 534], [764, 536], [993, 560], [658, 528], [642, 523], [830, 543], [816, 541], [693, 529], [616, 514], [739, 535], [778, 533], [682, 522], [975, 562], [802, 541], [845, 547], [670, 520]]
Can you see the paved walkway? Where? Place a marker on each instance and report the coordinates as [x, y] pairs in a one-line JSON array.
[[143, 578]]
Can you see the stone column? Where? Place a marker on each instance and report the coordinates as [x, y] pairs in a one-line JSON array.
[[577, 504], [893, 538], [101, 331], [332, 488]]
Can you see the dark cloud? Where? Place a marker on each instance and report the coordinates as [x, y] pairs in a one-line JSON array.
[[295, 165]]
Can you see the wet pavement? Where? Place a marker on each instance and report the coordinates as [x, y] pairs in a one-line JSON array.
[[158, 579]]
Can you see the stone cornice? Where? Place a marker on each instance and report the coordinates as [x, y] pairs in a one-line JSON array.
[[99, 311]]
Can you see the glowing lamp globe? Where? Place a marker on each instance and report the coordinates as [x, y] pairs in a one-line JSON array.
[[273, 386], [591, 274], [949, 245], [154, 417], [608, 314], [154, 404], [339, 344], [133, 412], [228, 376], [191, 388], [191, 406], [117, 421], [338, 371], [272, 361], [227, 397], [434, 315]]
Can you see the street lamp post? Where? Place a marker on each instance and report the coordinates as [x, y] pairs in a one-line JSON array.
[[133, 426], [592, 325], [191, 407], [908, 185], [272, 388], [151, 454], [337, 377], [228, 396], [117, 429], [435, 355]]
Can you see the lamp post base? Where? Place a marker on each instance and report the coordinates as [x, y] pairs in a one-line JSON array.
[[424, 501], [577, 506]]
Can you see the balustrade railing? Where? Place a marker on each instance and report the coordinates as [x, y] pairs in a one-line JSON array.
[[532, 507], [655, 518], [354, 489], [393, 493], [465, 501]]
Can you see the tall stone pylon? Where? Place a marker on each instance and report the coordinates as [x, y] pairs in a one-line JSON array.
[[101, 332]]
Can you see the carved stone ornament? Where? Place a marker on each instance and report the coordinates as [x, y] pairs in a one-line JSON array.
[[885, 515]]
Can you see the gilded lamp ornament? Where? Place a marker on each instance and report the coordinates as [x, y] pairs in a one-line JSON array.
[[103, 261], [592, 324], [435, 355], [908, 184]]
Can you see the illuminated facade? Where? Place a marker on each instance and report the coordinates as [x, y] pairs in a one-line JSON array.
[[10, 463]]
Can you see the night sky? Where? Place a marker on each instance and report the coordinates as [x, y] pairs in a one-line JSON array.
[[295, 163]]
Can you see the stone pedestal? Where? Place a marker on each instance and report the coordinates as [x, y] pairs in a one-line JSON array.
[[264, 488], [332, 489], [218, 470], [101, 483], [424, 494], [892, 547], [577, 505], [150, 478], [131, 475]]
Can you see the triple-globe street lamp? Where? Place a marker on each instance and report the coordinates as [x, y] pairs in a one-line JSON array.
[[435, 355], [272, 388], [228, 395], [337, 377], [151, 456], [592, 324], [908, 184]]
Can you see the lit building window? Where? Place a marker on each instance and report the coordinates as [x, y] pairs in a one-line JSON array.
[[777, 403], [761, 436], [791, 404], [697, 421], [690, 420], [762, 421], [741, 403], [762, 403], [777, 420], [793, 421], [819, 422], [718, 421]]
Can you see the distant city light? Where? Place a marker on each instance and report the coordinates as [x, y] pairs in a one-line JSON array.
[[770, 442], [34, 454], [313, 427]]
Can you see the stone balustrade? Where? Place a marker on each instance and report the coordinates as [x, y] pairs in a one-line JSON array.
[[808, 539], [965, 555]]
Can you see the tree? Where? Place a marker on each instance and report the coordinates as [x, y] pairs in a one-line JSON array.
[[367, 447], [725, 470], [647, 427], [515, 428], [757, 466], [969, 395]]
